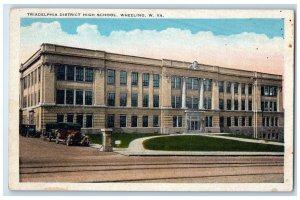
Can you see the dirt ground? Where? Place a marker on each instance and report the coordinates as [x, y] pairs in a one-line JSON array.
[[43, 161]]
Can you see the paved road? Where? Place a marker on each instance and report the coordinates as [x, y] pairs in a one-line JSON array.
[[41, 161]]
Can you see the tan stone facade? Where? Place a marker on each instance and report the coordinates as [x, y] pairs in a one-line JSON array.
[[134, 94]]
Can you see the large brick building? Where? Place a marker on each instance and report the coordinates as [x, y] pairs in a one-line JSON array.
[[134, 94]]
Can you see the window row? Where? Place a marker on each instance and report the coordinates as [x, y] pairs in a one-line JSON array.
[[111, 100], [267, 90], [237, 121], [110, 121], [72, 73], [32, 99], [236, 104], [191, 83], [85, 120], [236, 87], [71, 97], [270, 121], [111, 78], [269, 106], [32, 78]]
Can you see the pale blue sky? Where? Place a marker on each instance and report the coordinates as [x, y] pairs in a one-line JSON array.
[[269, 27]]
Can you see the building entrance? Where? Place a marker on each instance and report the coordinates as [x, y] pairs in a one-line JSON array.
[[195, 123]]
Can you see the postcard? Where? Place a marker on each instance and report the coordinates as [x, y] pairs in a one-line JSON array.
[[151, 100]]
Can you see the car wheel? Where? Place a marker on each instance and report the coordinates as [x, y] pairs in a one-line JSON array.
[[49, 139], [68, 142], [57, 139]]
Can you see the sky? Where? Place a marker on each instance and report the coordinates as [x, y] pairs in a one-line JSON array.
[[249, 44]]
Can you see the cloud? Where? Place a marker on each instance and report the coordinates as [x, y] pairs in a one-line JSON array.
[[249, 51]]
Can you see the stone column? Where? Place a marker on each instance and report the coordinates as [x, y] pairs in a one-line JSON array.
[[246, 97], [201, 96], [183, 96], [240, 96], [215, 95]]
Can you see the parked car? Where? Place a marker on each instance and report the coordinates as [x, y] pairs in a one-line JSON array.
[[70, 133], [28, 130], [50, 131]]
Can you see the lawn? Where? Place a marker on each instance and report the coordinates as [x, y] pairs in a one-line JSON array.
[[125, 138], [202, 143]]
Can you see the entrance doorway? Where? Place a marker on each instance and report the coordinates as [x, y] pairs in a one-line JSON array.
[[194, 122]]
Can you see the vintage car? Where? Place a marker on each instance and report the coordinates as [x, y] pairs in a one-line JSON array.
[[50, 131], [70, 133], [29, 130]]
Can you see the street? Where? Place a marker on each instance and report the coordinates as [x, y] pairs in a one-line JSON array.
[[43, 161]]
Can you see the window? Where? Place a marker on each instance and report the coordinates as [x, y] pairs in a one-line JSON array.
[[79, 97], [272, 121], [207, 84], [89, 121], [176, 82], [70, 73], [88, 97], [70, 118], [228, 104], [110, 77], [270, 106], [25, 82], [134, 78], [146, 101], [243, 88], [189, 102], [176, 101], [155, 101], [221, 86], [276, 121], [59, 118], [134, 121], [250, 105], [189, 84], [60, 72], [110, 121], [236, 104], [195, 103], [145, 121], [196, 84], [69, 96], [243, 121], [79, 73], [236, 88], [177, 121], [134, 100], [123, 77], [207, 103], [236, 121], [155, 121], [221, 104], [250, 89], [250, 121], [268, 90], [79, 119], [243, 104], [156, 80], [264, 121], [228, 87], [123, 120], [228, 121], [208, 121], [111, 99], [145, 79], [275, 106], [123, 99], [221, 121], [60, 97], [89, 75]]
